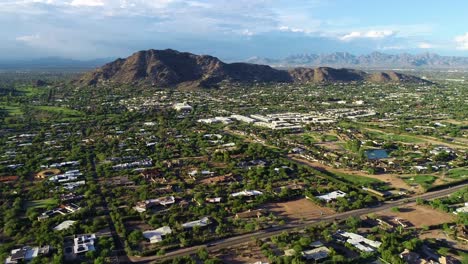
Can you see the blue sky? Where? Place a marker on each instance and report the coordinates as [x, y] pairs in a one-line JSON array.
[[230, 29]]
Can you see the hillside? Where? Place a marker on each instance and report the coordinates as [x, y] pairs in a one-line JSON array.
[[173, 68], [374, 60]]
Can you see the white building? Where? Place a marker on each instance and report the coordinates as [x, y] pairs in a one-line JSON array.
[[462, 209], [84, 243], [242, 118], [202, 222], [316, 253], [182, 107], [25, 254], [64, 225], [246, 193], [155, 236], [332, 196], [360, 242]]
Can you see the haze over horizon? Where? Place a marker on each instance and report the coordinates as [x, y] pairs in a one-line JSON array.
[[231, 30]]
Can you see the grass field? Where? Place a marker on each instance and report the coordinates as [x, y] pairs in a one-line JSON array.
[[458, 173], [11, 109], [31, 91], [354, 179], [58, 109], [394, 137], [40, 203], [423, 180]]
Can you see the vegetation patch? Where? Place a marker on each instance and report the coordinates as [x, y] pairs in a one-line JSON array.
[[60, 110], [458, 173], [423, 180], [358, 180], [40, 203]]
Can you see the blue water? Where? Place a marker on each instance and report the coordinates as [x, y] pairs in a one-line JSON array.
[[376, 154]]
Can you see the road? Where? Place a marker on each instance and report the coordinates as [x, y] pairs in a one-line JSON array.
[[266, 233]]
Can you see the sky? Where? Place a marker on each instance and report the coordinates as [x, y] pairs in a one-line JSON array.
[[230, 29]]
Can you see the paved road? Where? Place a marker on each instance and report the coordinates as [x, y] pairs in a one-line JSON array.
[[266, 233]]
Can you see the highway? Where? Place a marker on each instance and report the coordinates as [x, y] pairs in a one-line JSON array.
[[266, 233]]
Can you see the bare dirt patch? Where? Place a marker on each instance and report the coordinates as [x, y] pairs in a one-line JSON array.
[[392, 180], [298, 209], [440, 234], [420, 216], [45, 173], [246, 253]]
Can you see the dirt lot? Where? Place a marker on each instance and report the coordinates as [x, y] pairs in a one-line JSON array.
[[420, 216], [440, 234], [45, 173], [247, 253], [137, 225], [298, 209], [391, 179]]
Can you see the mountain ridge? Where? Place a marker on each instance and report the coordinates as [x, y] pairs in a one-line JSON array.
[[173, 68], [371, 60]]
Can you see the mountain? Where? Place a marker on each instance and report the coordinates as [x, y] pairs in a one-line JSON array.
[[174, 68], [372, 60], [52, 63]]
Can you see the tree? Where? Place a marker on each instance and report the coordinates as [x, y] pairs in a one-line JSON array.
[[135, 237]]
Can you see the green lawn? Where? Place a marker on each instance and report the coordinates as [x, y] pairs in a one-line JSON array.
[[458, 173], [31, 91], [58, 109], [11, 109], [423, 180], [40, 203], [330, 138], [394, 137], [358, 180]]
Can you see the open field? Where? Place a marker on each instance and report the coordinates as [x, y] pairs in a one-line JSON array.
[[420, 216], [405, 138], [422, 180], [40, 203], [11, 109], [357, 180], [298, 209], [392, 180], [59, 110], [440, 234], [458, 173], [393, 137], [246, 253]]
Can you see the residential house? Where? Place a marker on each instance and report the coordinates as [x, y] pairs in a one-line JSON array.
[[83, 244], [25, 254]]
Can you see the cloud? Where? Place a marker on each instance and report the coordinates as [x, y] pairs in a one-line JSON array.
[[371, 34], [28, 38], [462, 42], [293, 29], [425, 45], [91, 3]]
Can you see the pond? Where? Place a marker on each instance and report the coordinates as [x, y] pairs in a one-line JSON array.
[[376, 154]]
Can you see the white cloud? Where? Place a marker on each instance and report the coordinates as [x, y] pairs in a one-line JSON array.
[[91, 3], [247, 32], [425, 45], [28, 38], [395, 47], [371, 34], [462, 42], [293, 29]]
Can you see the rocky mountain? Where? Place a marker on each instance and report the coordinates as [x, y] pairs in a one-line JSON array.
[[173, 68], [372, 60]]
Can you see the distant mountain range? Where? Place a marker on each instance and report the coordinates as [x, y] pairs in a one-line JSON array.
[[165, 68], [375, 60], [53, 63]]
